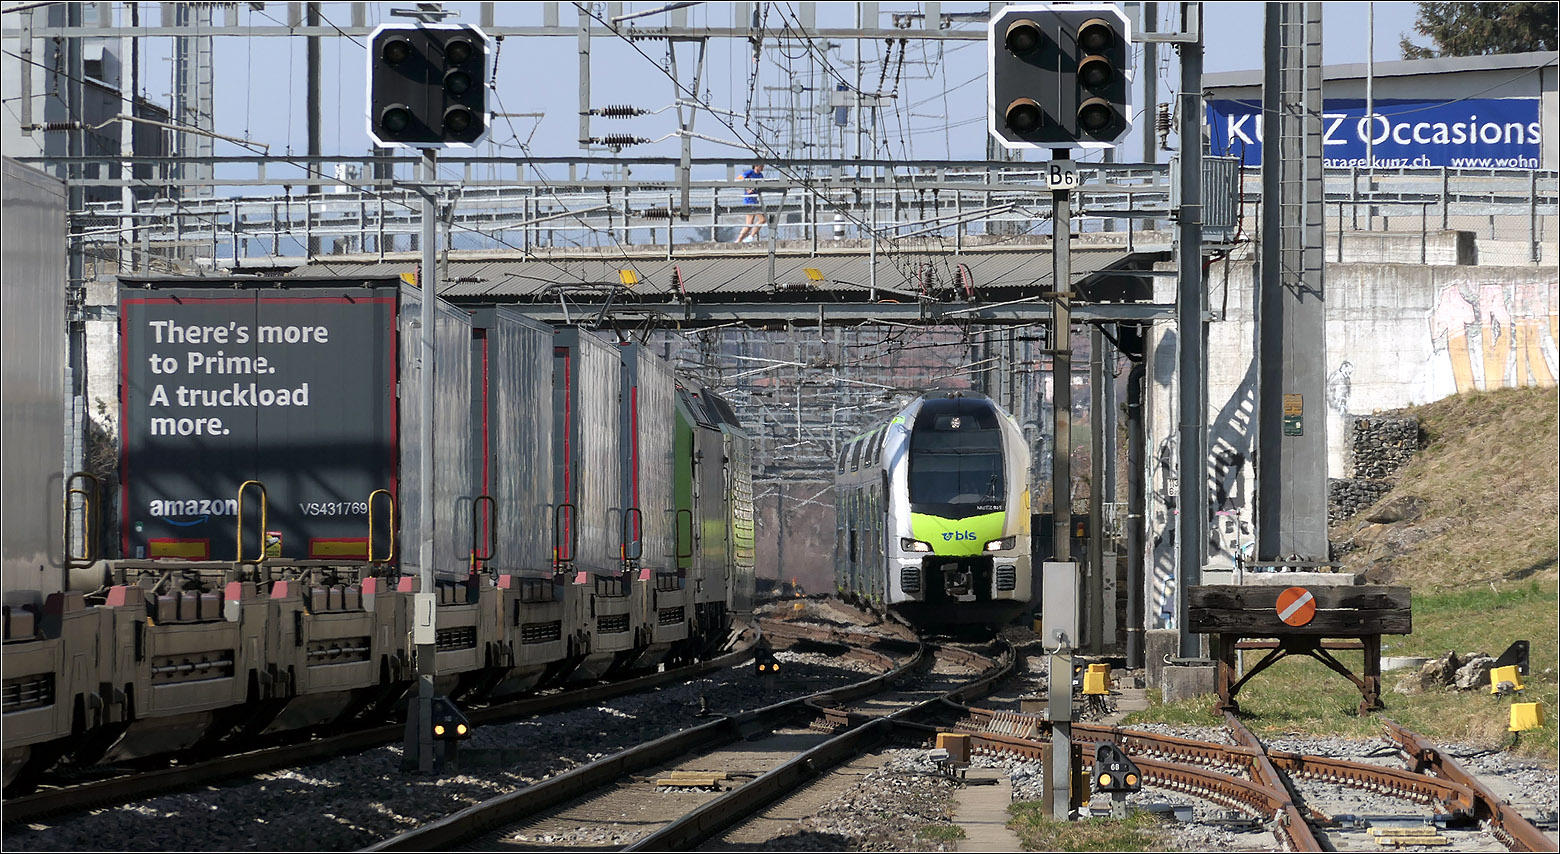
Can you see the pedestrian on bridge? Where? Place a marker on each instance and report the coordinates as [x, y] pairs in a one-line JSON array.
[[756, 218]]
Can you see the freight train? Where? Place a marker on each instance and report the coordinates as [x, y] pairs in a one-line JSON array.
[[591, 514], [933, 516]]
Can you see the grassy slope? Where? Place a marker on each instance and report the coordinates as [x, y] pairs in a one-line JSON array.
[[1489, 477], [1482, 566]]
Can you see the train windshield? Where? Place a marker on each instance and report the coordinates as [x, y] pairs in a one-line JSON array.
[[956, 457]]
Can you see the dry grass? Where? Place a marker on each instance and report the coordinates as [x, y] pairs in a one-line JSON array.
[[1481, 562], [1032, 821], [1489, 475]]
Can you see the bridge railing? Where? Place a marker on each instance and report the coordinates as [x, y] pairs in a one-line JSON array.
[[264, 216]]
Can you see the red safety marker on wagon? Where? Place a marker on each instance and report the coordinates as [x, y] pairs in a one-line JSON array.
[[1296, 606]]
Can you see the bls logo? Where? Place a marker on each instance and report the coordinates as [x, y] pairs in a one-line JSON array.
[[958, 535]]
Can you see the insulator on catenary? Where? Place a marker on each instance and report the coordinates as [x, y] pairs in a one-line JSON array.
[[618, 139], [618, 111]]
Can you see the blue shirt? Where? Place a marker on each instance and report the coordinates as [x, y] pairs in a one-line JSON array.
[[750, 197]]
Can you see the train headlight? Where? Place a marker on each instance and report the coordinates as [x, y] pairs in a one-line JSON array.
[[1001, 545], [910, 545]]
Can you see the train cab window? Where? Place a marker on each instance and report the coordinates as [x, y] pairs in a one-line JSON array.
[[956, 457]]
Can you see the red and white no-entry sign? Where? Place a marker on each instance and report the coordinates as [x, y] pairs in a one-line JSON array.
[[1296, 606]]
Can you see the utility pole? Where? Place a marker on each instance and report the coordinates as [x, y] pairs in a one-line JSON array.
[[1061, 370], [1059, 705], [76, 285], [1192, 336], [1095, 562], [313, 62], [423, 630], [1292, 307], [1150, 85]]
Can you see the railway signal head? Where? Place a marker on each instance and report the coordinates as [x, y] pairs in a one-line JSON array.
[[764, 662], [448, 722], [1058, 76], [427, 86], [1113, 771]]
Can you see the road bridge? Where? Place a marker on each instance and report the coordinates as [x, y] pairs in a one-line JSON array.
[[790, 284]]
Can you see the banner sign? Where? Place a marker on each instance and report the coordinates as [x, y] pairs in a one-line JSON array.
[[1487, 133], [294, 388]]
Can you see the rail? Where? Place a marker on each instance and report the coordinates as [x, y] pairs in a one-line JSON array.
[[123, 789], [725, 811], [1190, 766], [1425, 758]]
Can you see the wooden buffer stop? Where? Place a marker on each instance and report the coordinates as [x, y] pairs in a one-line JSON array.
[[1298, 619]]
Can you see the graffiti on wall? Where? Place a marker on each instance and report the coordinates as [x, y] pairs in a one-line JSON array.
[[1497, 335], [1228, 504]]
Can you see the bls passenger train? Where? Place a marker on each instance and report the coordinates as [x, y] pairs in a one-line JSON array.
[[590, 514], [933, 513]]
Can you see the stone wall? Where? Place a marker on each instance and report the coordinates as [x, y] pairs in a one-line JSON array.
[[1377, 448]]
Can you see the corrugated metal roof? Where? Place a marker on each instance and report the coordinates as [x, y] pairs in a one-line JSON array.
[[738, 274]]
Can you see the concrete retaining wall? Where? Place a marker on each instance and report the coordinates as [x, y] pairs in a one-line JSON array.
[[1397, 335]]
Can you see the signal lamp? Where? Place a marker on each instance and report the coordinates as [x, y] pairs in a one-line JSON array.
[[1045, 65], [458, 120], [426, 85], [448, 721], [1094, 71], [1023, 36], [457, 51], [1024, 116], [1095, 35], [1113, 771], [457, 82], [1094, 117], [396, 51], [396, 118]]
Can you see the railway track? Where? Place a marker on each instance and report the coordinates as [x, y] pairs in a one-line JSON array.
[[689, 788], [1225, 774], [1268, 784], [121, 789]]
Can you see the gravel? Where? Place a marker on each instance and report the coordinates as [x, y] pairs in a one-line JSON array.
[[888, 810], [352, 801]]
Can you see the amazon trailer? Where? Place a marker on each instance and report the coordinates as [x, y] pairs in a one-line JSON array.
[[270, 421]]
